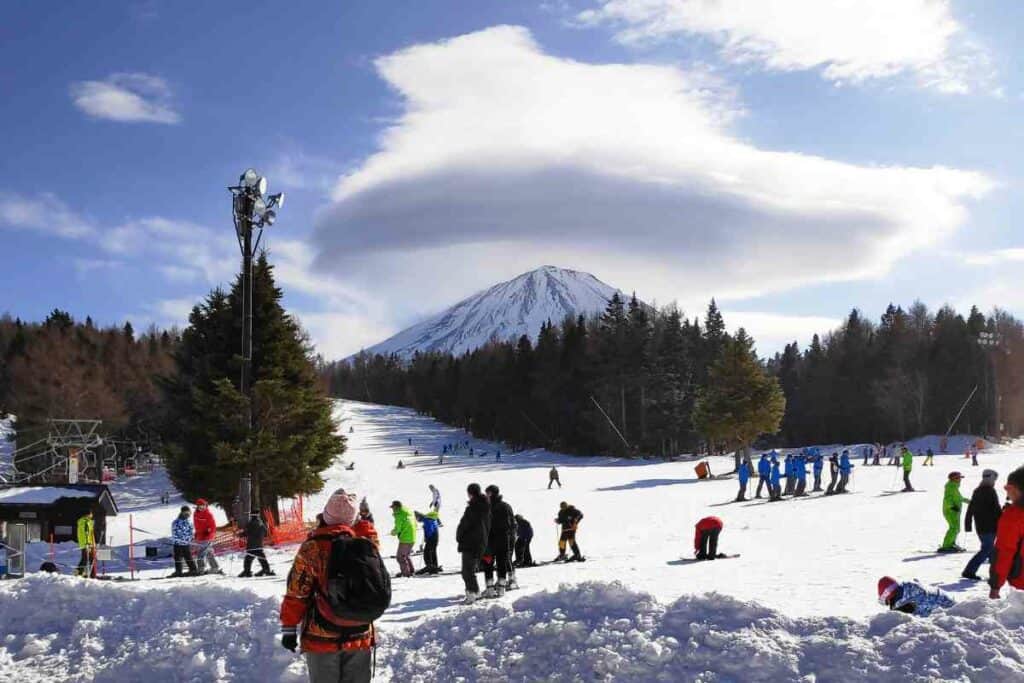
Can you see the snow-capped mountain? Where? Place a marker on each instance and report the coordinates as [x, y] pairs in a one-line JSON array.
[[505, 311]]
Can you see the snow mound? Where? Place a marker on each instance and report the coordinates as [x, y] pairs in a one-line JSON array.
[[600, 631], [65, 629]]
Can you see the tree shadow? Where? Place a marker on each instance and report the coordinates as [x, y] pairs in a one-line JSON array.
[[647, 484]]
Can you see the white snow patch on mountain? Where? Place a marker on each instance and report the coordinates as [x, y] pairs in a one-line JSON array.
[[505, 311]]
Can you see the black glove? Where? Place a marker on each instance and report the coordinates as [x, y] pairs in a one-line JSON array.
[[290, 641]]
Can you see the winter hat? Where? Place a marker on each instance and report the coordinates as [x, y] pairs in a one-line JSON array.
[[1016, 478], [886, 587], [201, 502], [340, 508], [364, 507], [955, 475], [989, 477]]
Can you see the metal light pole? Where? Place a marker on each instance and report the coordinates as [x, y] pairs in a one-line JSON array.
[[251, 213], [991, 343]]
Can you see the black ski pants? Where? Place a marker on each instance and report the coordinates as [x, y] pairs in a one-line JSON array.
[[470, 561], [832, 484], [761, 481], [502, 554], [523, 556], [430, 551], [709, 543], [568, 537], [256, 553], [906, 480], [183, 556]]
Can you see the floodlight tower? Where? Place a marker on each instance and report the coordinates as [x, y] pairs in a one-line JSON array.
[[251, 213]]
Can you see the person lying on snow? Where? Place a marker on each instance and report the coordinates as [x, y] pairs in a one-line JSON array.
[[911, 597]]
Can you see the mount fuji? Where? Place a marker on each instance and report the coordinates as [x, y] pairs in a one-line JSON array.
[[505, 311]]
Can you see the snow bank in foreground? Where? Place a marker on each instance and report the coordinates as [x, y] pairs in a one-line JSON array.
[[604, 631], [55, 628]]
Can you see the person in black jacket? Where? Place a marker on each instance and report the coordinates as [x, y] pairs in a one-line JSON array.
[[255, 534], [569, 519], [524, 534], [471, 535], [984, 511], [500, 542]]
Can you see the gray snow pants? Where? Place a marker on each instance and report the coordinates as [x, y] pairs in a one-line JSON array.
[[347, 666]]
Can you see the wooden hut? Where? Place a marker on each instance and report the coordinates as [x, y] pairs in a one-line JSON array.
[[55, 509]]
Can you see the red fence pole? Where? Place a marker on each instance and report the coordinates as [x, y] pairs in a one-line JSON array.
[[131, 547]]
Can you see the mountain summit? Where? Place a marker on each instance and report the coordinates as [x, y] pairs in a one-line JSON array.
[[505, 311]]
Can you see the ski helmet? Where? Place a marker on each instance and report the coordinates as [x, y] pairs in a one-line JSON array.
[[886, 587]]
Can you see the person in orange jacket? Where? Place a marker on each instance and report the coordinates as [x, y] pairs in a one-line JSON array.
[[331, 654], [1006, 558], [705, 539]]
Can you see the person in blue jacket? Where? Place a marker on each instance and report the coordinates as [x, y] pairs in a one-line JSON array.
[[911, 597], [819, 465], [845, 467], [800, 467], [774, 480], [764, 471], [744, 477], [431, 522]]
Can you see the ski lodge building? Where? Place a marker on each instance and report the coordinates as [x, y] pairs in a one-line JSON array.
[[55, 509]]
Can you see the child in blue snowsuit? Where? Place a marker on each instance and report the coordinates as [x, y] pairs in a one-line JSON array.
[[911, 597], [764, 471], [744, 477], [776, 487]]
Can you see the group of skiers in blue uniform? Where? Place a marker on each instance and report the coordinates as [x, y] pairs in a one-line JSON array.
[[793, 469]]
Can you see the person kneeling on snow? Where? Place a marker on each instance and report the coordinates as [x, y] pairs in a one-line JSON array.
[[911, 597], [327, 604], [1007, 558], [705, 540]]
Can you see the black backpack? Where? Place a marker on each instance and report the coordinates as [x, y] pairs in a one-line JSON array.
[[358, 585]]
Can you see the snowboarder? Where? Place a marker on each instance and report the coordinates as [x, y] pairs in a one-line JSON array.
[[569, 519], [181, 538], [342, 653], [206, 530], [435, 498], [474, 529], [764, 472], [952, 499], [819, 465], [790, 474], [775, 481], [524, 534], [983, 511], [929, 458], [85, 534], [911, 597], [744, 476], [553, 477], [845, 468], [500, 542], [800, 470], [405, 531], [908, 465], [833, 470], [1007, 555], [255, 534], [351, 466], [431, 522], [705, 538]]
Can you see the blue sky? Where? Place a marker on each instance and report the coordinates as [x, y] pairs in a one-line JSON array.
[[788, 157]]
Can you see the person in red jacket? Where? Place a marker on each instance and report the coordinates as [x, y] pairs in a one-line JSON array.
[[330, 655], [1006, 558], [705, 540], [206, 530]]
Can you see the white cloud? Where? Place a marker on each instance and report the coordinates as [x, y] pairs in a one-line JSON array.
[[849, 41], [998, 256], [85, 266], [339, 335], [505, 158], [126, 97], [43, 213], [772, 331]]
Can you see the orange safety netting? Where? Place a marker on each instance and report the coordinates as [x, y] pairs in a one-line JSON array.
[[291, 528]]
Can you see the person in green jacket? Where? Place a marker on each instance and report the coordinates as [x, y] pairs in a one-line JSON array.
[[86, 537], [952, 500], [908, 464], [405, 530]]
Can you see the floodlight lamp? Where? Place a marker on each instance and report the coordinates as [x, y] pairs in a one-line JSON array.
[[276, 200], [249, 178], [259, 207], [261, 186], [269, 217]]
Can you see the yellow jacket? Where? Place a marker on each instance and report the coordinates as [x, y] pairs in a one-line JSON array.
[[86, 532]]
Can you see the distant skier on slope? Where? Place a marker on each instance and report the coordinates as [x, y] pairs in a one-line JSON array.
[[911, 597], [1007, 558], [743, 473], [983, 513], [764, 473], [569, 519], [435, 498], [775, 481], [952, 500], [929, 458], [833, 470], [908, 465], [705, 538], [845, 468], [553, 477], [819, 465]]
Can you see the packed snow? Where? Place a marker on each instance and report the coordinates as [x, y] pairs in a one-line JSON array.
[[799, 602], [506, 311]]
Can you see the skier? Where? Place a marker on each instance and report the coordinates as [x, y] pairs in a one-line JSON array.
[[410, 441], [929, 458], [744, 476], [569, 518], [500, 542], [877, 459], [524, 534], [790, 474], [435, 498], [974, 456], [553, 477], [431, 522], [181, 537], [833, 470], [1009, 538], [845, 467], [255, 533], [908, 465], [800, 469], [952, 499], [867, 451], [983, 511], [343, 652], [85, 534], [405, 531], [705, 538], [911, 597], [474, 528], [206, 530], [775, 481], [401, 465], [764, 471], [819, 465]]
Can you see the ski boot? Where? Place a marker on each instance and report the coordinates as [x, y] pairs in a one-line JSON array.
[[512, 584], [266, 572], [561, 558], [470, 598], [245, 575], [499, 589], [577, 558], [490, 591]]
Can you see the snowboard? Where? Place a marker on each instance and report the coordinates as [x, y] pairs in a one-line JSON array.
[[893, 493], [694, 560]]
